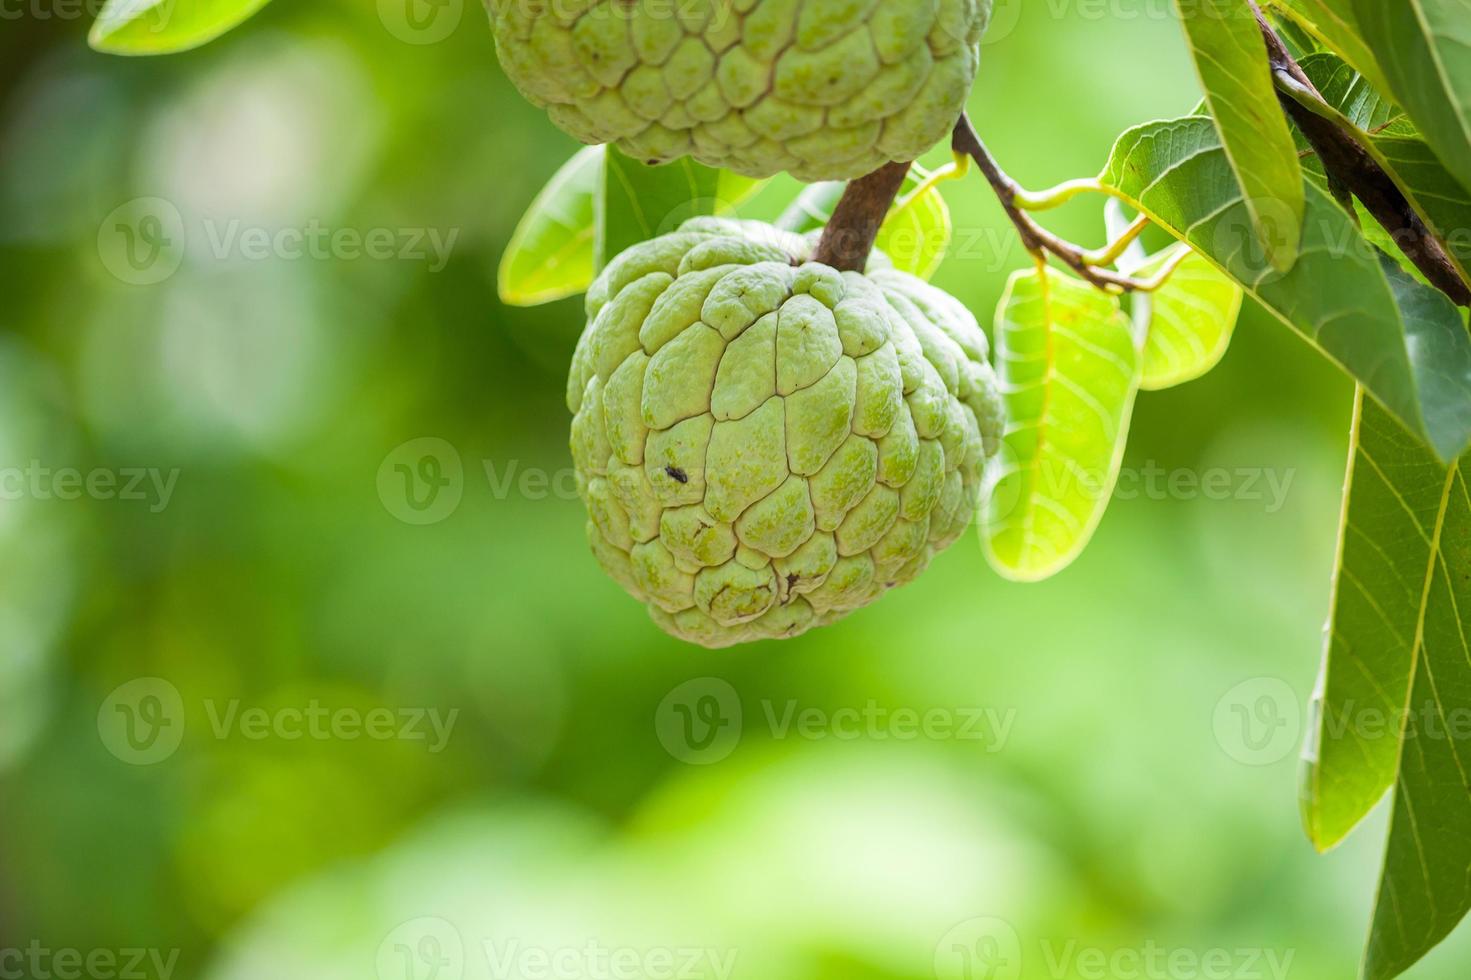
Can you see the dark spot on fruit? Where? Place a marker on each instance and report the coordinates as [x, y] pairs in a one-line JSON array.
[[792, 579], [675, 473]]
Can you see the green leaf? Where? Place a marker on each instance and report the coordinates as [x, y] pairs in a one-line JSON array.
[[1192, 318], [1069, 372], [1389, 134], [1405, 342], [550, 255], [812, 207], [637, 202], [1396, 693], [1231, 58], [138, 27], [1424, 47], [1334, 23], [915, 234], [1300, 43]]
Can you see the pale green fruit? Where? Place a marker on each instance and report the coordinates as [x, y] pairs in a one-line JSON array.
[[824, 89], [765, 444]]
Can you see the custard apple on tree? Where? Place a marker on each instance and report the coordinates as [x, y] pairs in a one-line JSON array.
[[765, 444], [824, 89]]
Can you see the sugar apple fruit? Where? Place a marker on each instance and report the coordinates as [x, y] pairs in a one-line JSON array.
[[825, 89], [765, 444]]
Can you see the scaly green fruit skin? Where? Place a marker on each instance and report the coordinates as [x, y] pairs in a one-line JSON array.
[[824, 89], [765, 444]]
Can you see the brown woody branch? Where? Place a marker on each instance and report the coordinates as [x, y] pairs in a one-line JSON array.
[[1036, 239], [1353, 169], [850, 233]]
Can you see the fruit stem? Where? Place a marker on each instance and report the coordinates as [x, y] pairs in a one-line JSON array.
[[1116, 250], [951, 171], [849, 236], [1056, 197], [1038, 240]]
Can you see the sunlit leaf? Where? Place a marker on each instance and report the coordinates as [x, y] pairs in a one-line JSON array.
[[1407, 343], [550, 255], [1396, 692], [1191, 321], [1424, 47], [915, 235], [166, 26], [1231, 58], [1069, 373]]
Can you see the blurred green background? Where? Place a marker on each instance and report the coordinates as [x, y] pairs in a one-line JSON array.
[[1106, 788]]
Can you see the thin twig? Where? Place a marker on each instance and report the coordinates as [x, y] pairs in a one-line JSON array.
[[849, 236], [1038, 240], [1352, 167]]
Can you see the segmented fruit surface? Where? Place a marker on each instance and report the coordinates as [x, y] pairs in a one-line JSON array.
[[824, 89], [765, 444]]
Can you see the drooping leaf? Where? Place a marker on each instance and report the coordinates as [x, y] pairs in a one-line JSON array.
[[1069, 374], [1336, 26], [1395, 698], [1192, 318], [812, 207], [550, 255], [1405, 342], [1424, 48], [1389, 134], [637, 202], [1231, 58], [915, 235], [139, 27]]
